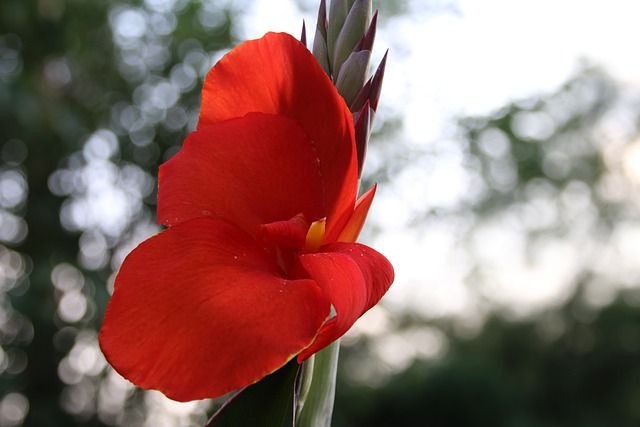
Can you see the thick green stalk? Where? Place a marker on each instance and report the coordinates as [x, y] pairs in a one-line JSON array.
[[315, 403]]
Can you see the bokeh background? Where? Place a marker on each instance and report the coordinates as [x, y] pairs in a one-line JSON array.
[[507, 151]]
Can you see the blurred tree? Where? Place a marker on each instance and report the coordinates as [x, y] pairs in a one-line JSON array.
[[92, 96], [555, 370]]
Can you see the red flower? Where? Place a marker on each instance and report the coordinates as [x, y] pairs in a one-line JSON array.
[[260, 205]]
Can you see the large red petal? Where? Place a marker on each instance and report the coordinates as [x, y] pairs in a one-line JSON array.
[[276, 74], [254, 170], [354, 277], [199, 310]]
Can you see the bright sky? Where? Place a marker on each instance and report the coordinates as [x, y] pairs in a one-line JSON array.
[[473, 59], [487, 51]]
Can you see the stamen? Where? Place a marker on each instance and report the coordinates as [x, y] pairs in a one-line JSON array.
[[315, 236]]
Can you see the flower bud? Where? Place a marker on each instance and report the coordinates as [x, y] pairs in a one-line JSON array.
[[303, 36], [353, 75], [319, 50], [354, 28], [362, 124], [320, 53], [371, 90], [338, 11]]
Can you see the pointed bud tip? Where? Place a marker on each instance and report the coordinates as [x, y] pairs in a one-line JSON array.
[[376, 82], [366, 42], [321, 23], [303, 36], [362, 127], [362, 97]]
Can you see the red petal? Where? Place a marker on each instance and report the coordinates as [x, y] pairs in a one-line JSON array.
[[199, 310], [352, 229], [290, 234], [250, 171], [354, 277], [277, 74]]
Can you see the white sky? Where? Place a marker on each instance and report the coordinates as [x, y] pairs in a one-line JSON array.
[[473, 60], [489, 50]]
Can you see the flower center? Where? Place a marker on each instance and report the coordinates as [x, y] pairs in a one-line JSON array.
[[286, 239]]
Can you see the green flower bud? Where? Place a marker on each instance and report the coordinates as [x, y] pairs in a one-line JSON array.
[[354, 28], [338, 11], [353, 75], [320, 53], [320, 50], [362, 123]]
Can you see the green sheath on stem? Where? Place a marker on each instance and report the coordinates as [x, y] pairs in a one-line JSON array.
[[315, 404]]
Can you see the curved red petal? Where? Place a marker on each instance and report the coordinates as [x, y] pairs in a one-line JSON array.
[[352, 229], [289, 234], [199, 310], [254, 170], [354, 277], [277, 74]]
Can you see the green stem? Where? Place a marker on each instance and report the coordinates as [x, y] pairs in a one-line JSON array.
[[315, 404]]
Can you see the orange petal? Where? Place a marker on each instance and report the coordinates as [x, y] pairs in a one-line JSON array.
[[352, 229]]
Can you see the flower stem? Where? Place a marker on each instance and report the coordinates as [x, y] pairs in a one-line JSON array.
[[315, 404]]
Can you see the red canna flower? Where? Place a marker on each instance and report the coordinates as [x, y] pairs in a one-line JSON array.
[[260, 205]]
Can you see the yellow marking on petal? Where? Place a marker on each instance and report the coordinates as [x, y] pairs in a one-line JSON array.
[[315, 236]]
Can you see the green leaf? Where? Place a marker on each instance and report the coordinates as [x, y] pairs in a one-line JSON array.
[[267, 403]]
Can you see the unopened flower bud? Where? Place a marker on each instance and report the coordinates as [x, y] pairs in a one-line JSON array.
[[371, 90], [338, 11], [354, 28], [319, 50], [353, 75], [362, 124]]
